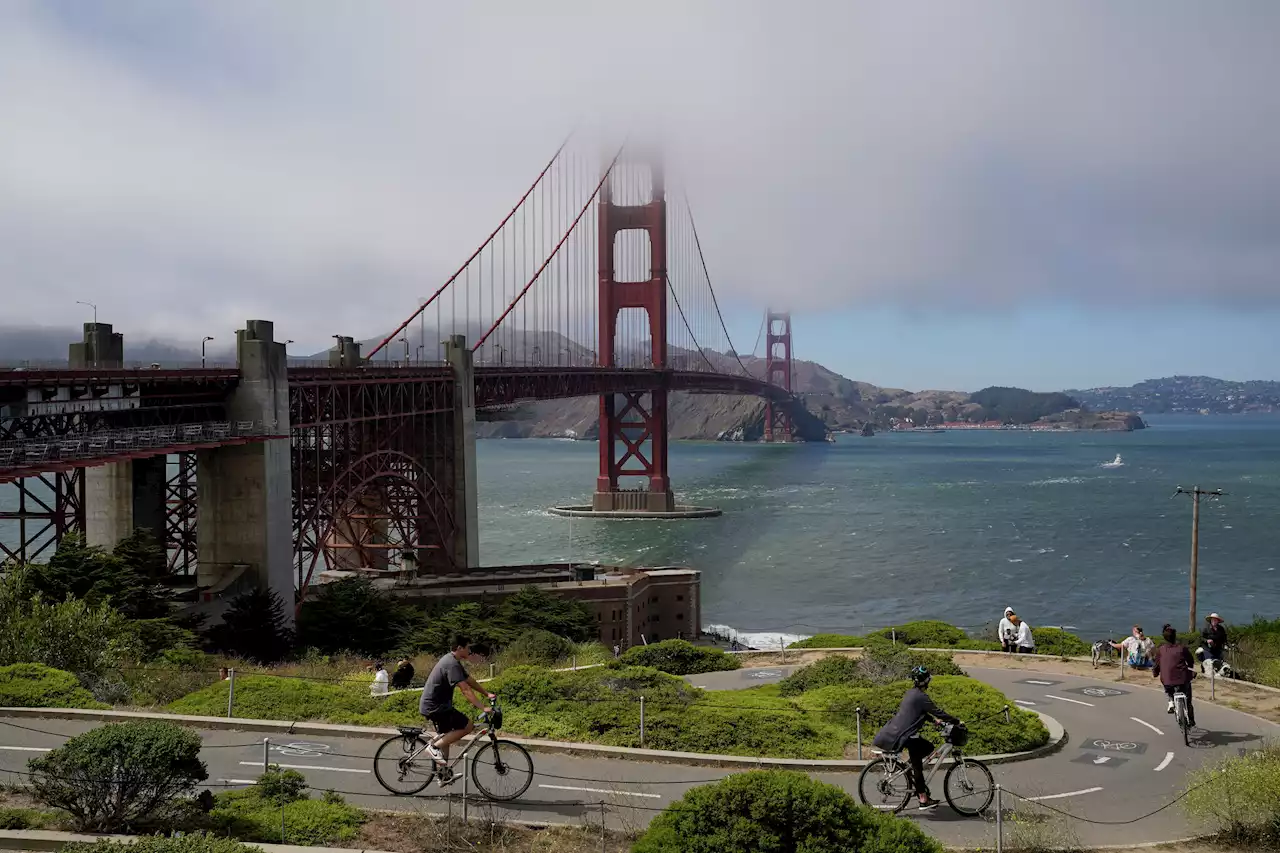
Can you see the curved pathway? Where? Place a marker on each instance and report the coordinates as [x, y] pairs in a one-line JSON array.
[[1124, 755], [1123, 758]]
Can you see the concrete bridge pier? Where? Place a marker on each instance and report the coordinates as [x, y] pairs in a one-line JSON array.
[[121, 496], [245, 492], [466, 513]]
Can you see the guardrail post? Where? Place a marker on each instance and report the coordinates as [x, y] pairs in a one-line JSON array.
[[858, 713], [602, 850], [575, 663], [782, 648], [466, 759], [999, 820], [895, 636], [1213, 679], [231, 690], [492, 668], [266, 754], [642, 721]]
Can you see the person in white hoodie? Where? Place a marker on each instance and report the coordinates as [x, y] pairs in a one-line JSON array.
[[1008, 633], [1026, 641]]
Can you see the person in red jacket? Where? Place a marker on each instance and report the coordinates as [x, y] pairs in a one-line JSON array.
[[1175, 666]]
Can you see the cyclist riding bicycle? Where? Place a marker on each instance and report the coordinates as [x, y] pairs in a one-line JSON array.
[[1175, 666], [437, 697], [903, 731]]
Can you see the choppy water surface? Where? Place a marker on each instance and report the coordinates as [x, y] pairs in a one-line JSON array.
[[869, 532]]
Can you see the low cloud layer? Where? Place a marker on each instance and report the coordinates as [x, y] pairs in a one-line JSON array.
[[189, 165]]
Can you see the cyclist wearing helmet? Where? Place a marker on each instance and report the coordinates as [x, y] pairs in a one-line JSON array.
[[903, 731]]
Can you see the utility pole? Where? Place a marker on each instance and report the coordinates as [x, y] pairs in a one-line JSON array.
[[1196, 493]]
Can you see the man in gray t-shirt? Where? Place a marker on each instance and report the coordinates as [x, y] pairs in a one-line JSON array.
[[437, 697]]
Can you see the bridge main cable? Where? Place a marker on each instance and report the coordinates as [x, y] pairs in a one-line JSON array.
[[423, 307]]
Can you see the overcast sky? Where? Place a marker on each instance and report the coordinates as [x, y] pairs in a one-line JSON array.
[[948, 194]]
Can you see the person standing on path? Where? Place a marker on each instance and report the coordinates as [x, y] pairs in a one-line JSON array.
[[1008, 633], [1026, 640]]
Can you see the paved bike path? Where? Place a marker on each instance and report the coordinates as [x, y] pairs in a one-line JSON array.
[[1124, 755], [1130, 782]]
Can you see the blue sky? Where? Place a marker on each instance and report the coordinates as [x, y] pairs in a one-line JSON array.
[[1041, 194]]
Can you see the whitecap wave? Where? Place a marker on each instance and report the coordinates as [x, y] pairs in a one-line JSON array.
[[755, 639]]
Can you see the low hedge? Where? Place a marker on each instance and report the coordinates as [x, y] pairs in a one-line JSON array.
[[265, 697], [280, 798], [1239, 798], [34, 685], [776, 811], [195, 842], [680, 657], [878, 665], [933, 634], [977, 704]]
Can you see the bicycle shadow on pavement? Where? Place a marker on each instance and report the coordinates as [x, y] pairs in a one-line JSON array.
[[1205, 739]]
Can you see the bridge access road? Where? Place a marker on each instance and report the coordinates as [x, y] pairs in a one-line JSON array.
[[1124, 756]]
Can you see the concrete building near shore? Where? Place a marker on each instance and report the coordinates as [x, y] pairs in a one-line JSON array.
[[631, 605]]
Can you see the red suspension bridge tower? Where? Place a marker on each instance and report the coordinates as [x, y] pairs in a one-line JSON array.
[[777, 371], [633, 425]]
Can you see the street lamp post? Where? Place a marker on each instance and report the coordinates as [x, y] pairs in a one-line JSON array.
[[342, 356], [206, 340], [405, 341], [95, 324]]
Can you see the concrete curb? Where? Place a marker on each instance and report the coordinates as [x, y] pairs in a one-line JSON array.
[[48, 841], [1057, 737]]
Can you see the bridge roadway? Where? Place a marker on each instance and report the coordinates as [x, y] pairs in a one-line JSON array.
[[1123, 759]]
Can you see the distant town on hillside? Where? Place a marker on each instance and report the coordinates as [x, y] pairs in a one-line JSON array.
[[1189, 394]]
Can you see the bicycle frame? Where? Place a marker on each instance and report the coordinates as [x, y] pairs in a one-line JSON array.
[[932, 764], [475, 738]]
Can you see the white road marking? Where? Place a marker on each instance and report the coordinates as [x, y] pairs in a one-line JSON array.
[[1148, 725], [27, 748], [1041, 683], [1168, 756], [238, 781], [601, 791], [306, 767], [1102, 759], [1072, 701], [1063, 796], [1024, 702]]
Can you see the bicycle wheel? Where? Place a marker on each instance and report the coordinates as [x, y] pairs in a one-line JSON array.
[[1184, 723], [969, 787], [401, 768], [508, 767], [883, 785]]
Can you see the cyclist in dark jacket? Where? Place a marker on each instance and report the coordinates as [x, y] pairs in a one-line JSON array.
[[903, 731], [1175, 666]]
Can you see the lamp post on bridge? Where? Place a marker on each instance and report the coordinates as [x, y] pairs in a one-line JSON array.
[[342, 356], [95, 325], [206, 340], [405, 341]]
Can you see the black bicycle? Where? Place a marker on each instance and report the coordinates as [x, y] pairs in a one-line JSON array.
[[403, 765]]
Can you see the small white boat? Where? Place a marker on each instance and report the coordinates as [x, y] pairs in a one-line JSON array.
[[1114, 463]]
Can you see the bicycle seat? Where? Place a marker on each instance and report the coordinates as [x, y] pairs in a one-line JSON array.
[[875, 751], [409, 731]]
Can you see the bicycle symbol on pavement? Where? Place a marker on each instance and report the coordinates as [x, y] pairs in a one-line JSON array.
[[1101, 692], [1123, 746], [767, 673], [301, 748]]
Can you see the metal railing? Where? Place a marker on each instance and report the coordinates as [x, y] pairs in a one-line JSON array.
[[95, 445]]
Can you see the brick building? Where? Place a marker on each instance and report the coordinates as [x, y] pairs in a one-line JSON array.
[[631, 605]]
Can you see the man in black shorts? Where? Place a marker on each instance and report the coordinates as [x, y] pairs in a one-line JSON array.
[[437, 697]]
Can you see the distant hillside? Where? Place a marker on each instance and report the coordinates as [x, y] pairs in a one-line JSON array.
[[1191, 394]]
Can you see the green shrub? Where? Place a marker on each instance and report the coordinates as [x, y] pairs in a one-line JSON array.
[[830, 641], [253, 628], [70, 635], [194, 842], [120, 775], [266, 697], [1239, 797], [26, 819], [536, 647], [773, 811], [352, 615], [885, 664], [680, 657], [929, 633], [977, 704], [824, 673], [33, 685], [1055, 641], [279, 798]]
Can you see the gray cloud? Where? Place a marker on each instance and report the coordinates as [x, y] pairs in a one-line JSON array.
[[190, 165]]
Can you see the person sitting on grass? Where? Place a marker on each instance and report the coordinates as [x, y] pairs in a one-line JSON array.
[[403, 675], [1137, 648]]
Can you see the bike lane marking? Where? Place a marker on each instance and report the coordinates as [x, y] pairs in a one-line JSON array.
[[28, 748], [1148, 725], [1168, 757], [1072, 701], [1064, 796], [601, 791], [1024, 702]]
